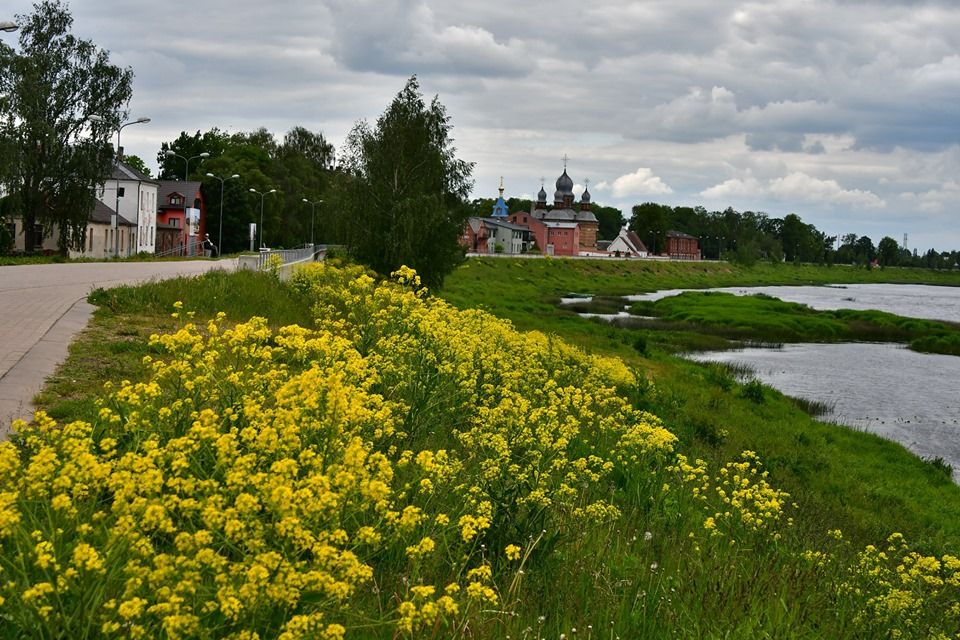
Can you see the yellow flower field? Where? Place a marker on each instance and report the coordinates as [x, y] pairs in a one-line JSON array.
[[396, 470]]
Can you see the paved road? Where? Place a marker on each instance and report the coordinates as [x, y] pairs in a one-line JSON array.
[[43, 306]]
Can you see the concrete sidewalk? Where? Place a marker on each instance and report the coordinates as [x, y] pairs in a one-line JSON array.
[[42, 308]]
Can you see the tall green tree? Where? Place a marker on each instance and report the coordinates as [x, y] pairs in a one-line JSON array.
[[651, 221], [137, 163], [212, 142], [405, 203], [888, 252], [54, 155]]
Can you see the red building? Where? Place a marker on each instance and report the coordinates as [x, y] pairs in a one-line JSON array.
[[553, 238], [475, 235], [180, 206], [682, 246]]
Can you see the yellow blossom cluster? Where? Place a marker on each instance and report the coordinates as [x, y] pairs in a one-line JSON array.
[[739, 500], [264, 483], [900, 592]]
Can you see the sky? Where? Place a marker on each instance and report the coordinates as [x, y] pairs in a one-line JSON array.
[[844, 112]]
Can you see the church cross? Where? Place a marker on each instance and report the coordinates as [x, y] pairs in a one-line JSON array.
[[565, 158]]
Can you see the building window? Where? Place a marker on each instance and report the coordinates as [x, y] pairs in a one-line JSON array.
[[90, 239], [121, 191]]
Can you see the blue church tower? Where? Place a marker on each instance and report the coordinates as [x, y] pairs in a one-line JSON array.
[[500, 207]]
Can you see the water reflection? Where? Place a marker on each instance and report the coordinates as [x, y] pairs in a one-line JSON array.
[[908, 300], [886, 389]]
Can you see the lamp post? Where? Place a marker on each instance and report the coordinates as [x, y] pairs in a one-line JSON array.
[[262, 195], [313, 211], [8, 26], [220, 234], [116, 209], [186, 174]]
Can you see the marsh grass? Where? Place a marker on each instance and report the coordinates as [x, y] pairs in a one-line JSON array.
[[813, 408], [763, 318]]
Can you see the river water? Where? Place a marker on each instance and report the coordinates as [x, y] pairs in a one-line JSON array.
[[909, 397], [908, 300]]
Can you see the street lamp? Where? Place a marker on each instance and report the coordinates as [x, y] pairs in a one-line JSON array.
[[116, 209], [262, 195], [313, 211], [8, 26], [186, 174], [220, 235]]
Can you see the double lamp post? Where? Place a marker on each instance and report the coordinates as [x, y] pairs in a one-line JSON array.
[[116, 208]]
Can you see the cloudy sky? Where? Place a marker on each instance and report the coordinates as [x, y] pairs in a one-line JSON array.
[[844, 112]]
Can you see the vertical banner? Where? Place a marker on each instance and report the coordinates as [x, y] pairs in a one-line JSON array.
[[193, 221]]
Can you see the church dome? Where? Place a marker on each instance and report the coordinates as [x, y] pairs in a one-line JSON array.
[[542, 196], [586, 195], [565, 184]]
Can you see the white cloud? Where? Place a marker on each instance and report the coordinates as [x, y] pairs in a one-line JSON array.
[[641, 182], [735, 188], [801, 187], [934, 200], [795, 187]]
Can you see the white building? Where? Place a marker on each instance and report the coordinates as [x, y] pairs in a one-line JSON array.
[[137, 200], [629, 244]]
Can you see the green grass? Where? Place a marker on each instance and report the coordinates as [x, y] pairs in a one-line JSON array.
[[113, 345], [863, 484], [764, 318]]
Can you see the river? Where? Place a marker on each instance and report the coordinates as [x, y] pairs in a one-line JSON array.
[[908, 300], [909, 397]]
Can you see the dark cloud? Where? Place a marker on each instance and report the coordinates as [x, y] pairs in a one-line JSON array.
[[762, 101]]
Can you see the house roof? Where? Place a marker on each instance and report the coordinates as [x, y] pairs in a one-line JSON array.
[[496, 222], [475, 223], [680, 234], [103, 214], [186, 188], [122, 171], [561, 215], [635, 241]]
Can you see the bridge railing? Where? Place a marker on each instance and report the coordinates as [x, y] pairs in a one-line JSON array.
[[288, 257]]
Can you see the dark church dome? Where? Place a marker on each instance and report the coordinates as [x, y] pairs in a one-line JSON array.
[[542, 196], [565, 184], [586, 195]]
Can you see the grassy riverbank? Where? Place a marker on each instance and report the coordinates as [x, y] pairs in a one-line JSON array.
[[871, 485], [552, 508]]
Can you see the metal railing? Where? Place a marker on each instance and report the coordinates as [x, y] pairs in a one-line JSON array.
[[191, 248], [305, 253]]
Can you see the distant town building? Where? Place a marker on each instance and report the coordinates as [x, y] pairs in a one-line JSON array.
[[682, 246], [181, 218], [628, 244]]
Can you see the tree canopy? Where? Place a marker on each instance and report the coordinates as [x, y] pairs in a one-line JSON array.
[[404, 200], [299, 167], [52, 154]]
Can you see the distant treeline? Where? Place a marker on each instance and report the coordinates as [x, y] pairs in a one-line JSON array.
[[749, 236]]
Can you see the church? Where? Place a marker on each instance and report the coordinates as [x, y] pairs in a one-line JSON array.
[[559, 230]]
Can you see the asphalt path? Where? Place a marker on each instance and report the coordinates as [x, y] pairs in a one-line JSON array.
[[42, 308]]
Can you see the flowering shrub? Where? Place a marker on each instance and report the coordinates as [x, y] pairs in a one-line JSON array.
[[396, 471], [293, 483]]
